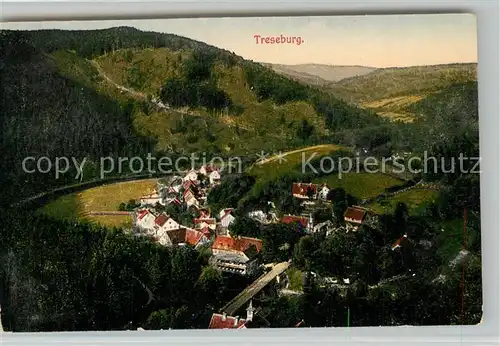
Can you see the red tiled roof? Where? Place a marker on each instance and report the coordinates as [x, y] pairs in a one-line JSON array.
[[292, 219], [142, 214], [356, 214], [193, 237], [177, 235], [302, 188], [161, 219], [218, 321], [208, 221], [206, 231], [236, 244]]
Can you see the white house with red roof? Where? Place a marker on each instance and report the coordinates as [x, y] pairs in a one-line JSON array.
[[222, 321], [181, 236], [189, 198], [165, 223], [214, 177], [226, 218], [205, 222], [236, 255], [191, 175], [145, 219]]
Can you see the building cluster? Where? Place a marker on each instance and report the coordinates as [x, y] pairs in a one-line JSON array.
[[190, 190], [235, 255]]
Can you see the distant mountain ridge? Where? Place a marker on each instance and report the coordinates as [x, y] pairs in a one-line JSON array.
[[320, 74]]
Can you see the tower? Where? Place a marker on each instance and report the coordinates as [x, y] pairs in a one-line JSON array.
[[250, 311], [310, 224]]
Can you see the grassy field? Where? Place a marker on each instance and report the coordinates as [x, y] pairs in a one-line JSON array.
[[102, 198], [361, 185], [415, 200], [394, 107]]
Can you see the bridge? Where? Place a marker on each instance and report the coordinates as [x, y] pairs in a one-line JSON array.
[[255, 287]]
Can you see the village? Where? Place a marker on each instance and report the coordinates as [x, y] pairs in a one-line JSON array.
[[235, 255]]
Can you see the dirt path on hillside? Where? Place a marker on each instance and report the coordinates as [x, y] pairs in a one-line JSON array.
[[154, 102], [277, 157]]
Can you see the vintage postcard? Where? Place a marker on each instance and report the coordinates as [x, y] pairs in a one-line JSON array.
[[232, 173]]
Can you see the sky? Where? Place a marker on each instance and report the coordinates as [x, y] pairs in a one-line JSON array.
[[374, 40]]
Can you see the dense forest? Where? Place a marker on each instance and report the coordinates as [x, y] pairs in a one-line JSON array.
[[61, 275]]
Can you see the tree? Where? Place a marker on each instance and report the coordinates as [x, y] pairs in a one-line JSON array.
[[401, 217], [211, 285], [245, 226]]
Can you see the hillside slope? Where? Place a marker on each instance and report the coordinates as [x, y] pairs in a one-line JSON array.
[[390, 91], [64, 93], [319, 74]]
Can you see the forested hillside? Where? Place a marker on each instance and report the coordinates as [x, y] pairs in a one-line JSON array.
[[390, 92], [56, 101]]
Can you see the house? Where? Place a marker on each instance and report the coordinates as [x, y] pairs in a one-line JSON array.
[[226, 218], [165, 223], [174, 189], [305, 223], [304, 190], [151, 199], [236, 255], [214, 177], [290, 219], [192, 175], [354, 217], [205, 222], [174, 200], [181, 236], [222, 321], [204, 213], [189, 184], [145, 219], [323, 192], [189, 198], [207, 169]]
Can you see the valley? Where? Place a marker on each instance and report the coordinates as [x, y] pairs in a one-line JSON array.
[[156, 250]]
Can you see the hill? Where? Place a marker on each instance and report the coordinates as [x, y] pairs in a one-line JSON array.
[[94, 93], [319, 74], [390, 91]]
